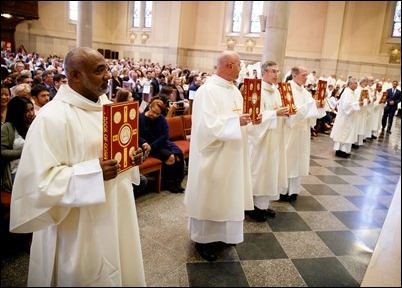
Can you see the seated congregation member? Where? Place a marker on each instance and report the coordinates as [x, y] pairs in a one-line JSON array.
[[181, 96], [20, 114], [154, 140], [166, 95], [58, 80], [5, 98], [40, 95], [123, 95]]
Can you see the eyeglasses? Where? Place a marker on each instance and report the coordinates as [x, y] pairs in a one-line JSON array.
[[274, 71]]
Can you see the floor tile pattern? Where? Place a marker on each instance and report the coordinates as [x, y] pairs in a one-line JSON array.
[[323, 239]]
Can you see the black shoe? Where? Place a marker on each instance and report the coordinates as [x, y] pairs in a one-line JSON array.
[[341, 154], [293, 197], [178, 187], [270, 213], [257, 214], [355, 146], [373, 137], [172, 188], [206, 251], [284, 197], [389, 132]]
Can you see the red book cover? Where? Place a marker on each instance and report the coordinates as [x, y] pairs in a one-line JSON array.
[[120, 132], [383, 99], [252, 97], [287, 96], [321, 91], [364, 95]]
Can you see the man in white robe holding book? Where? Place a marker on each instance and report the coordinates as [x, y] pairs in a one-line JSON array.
[[80, 209], [268, 161], [297, 132], [219, 186]]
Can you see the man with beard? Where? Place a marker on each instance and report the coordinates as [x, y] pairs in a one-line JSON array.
[[81, 211]]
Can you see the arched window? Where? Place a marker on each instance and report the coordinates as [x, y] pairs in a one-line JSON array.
[[396, 28], [141, 14]]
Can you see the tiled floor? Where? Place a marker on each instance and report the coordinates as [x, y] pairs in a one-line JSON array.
[[325, 238]]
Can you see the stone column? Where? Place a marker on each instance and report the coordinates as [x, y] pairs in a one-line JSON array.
[[276, 31], [84, 25]]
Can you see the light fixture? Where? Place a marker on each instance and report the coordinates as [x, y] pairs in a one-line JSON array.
[[231, 43], [6, 15]]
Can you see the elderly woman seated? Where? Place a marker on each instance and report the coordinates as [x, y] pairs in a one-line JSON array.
[[154, 140]]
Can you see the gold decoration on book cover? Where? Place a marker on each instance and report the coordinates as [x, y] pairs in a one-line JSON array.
[[252, 97], [364, 95], [383, 99], [320, 93], [120, 132], [287, 97]]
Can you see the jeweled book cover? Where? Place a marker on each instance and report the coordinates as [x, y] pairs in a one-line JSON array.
[[120, 132], [321, 92], [252, 97], [287, 96]]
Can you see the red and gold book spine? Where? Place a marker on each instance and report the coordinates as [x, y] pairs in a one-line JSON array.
[[120, 132], [252, 97], [287, 97]]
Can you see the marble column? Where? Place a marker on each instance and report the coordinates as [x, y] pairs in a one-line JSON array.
[[276, 31], [84, 25]]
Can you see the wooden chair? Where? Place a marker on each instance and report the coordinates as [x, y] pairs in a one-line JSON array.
[[176, 134], [153, 165], [187, 126]]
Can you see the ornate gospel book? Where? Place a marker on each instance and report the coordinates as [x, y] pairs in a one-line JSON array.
[[251, 97], [287, 97], [321, 91], [364, 95], [383, 99], [120, 132]]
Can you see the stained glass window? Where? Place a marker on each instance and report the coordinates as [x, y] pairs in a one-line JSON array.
[[148, 14], [142, 14], [396, 29], [136, 14], [237, 13], [246, 15]]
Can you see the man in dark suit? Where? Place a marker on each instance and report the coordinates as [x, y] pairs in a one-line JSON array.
[[155, 83], [393, 98]]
